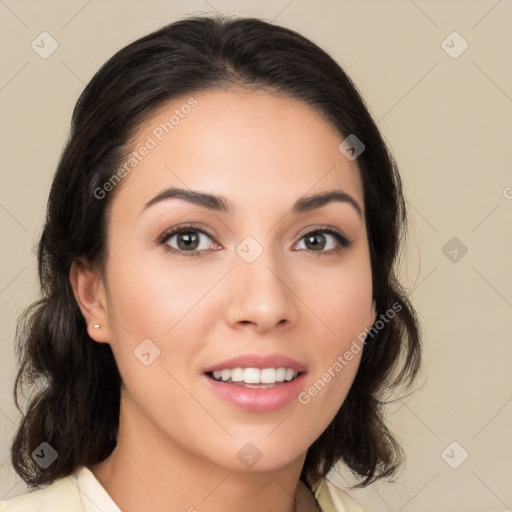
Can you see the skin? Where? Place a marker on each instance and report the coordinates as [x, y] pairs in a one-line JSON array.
[[178, 441]]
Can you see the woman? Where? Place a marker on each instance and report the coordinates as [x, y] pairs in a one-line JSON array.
[[220, 317]]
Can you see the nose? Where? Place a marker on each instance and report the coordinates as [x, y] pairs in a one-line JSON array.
[[260, 295]]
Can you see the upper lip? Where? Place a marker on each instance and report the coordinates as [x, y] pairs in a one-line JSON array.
[[258, 361]]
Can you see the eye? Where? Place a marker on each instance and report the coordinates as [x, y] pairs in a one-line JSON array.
[[186, 240], [324, 241], [192, 240]]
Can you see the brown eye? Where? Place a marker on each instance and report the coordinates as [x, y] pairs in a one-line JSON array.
[[315, 241], [186, 240], [324, 241]]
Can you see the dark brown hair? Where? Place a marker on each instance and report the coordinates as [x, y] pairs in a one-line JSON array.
[[75, 383]]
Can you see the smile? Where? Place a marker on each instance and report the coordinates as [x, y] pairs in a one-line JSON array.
[[256, 382], [255, 377]]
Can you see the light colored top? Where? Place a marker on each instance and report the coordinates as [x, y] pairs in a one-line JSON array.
[[82, 492]]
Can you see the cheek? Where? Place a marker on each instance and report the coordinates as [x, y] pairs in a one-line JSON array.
[[151, 295], [343, 306], [341, 299]]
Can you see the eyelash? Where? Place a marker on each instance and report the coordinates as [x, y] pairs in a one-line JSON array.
[[344, 242]]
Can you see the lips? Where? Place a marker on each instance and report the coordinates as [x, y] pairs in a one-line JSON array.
[[257, 383]]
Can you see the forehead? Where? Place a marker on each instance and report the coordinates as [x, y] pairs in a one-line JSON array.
[[254, 147]]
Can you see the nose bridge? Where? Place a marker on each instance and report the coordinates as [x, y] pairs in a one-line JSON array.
[[259, 291]]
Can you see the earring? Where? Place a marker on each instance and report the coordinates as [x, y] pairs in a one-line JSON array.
[[96, 326]]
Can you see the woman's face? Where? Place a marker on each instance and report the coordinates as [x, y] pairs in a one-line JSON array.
[[259, 283]]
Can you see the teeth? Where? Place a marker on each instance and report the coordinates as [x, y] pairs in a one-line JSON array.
[[268, 376], [252, 376], [255, 375], [289, 374], [280, 373], [237, 375]]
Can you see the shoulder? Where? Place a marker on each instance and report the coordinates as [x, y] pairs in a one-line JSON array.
[[333, 499], [78, 492], [60, 496]]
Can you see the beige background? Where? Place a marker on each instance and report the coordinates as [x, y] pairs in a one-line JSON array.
[[448, 121]]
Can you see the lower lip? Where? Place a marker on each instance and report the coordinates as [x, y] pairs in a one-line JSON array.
[[258, 399]]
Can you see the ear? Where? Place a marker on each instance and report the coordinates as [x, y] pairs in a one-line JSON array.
[[89, 291]]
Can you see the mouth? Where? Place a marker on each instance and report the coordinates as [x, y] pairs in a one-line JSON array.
[[255, 378], [257, 383]]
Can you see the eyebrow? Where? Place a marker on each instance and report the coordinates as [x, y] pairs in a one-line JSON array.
[[222, 205]]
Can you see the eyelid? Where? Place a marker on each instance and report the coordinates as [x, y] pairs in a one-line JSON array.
[[179, 228], [325, 228]]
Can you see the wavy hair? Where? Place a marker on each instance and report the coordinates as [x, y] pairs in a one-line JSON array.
[[75, 384]]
